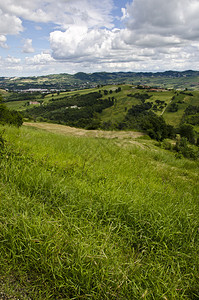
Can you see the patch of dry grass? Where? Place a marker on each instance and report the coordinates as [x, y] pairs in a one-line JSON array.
[[67, 130]]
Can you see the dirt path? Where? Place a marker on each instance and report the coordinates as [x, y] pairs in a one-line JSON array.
[[165, 108], [66, 130]]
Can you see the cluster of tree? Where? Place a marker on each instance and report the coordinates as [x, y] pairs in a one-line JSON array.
[[22, 96], [160, 104], [141, 97], [193, 120], [78, 111], [140, 117], [186, 93], [173, 107], [186, 141], [118, 89], [182, 148], [191, 110], [106, 92], [191, 115], [9, 116], [138, 109], [178, 97], [187, 131]]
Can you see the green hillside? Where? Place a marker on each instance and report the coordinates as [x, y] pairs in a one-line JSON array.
[[96, 218], [169, 104], [113, 107]]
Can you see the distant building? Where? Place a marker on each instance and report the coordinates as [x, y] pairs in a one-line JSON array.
[[33, 102], [33, 91]]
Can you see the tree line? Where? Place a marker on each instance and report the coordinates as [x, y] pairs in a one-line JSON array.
[[10, 117]]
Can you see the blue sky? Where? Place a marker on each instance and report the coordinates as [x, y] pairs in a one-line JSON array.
[[67, 36]]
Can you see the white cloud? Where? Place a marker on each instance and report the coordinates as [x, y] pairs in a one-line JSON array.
[[124, 13], [12, 60], [27, 47], [80, 42], [13, 66], [157, 31], [39, 59], [156, 34], [24, 8], [9, 24], [62, 12], [165, 18], [3, 40], [10, 65]]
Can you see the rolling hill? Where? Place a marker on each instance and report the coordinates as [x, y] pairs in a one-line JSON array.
[[111, 108], [169, 79]]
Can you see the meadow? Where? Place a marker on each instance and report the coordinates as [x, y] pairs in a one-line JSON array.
[[96, 218]]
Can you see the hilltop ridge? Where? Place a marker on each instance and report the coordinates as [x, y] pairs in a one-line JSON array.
[[64, 81]]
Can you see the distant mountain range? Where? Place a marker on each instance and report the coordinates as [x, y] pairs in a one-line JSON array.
[[169, 79]]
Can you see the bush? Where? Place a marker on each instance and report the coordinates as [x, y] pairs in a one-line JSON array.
[[187, 131], [166, 145], [2, 142], [183, 148], [173, 107], [139, 117]]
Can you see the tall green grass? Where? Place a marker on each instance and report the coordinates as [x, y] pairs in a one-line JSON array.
[[85, 218]]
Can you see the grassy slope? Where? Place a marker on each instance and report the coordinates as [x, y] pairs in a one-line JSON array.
[[175, 118], [94, 218], [16, 105], [117, 112]]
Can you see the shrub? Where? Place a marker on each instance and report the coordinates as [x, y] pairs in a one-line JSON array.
[[187, 131], [183, 148], [166, 145], [2, 142]]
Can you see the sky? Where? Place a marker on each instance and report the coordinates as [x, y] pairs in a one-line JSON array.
[[43, 37]]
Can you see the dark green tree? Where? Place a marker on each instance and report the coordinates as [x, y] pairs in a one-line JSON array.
[[9, 116], [187, 131]]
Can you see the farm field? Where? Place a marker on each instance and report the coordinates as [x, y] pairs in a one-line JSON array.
[[91, 217]]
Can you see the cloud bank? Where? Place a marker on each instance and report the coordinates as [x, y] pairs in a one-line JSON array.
[[151, 35]]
